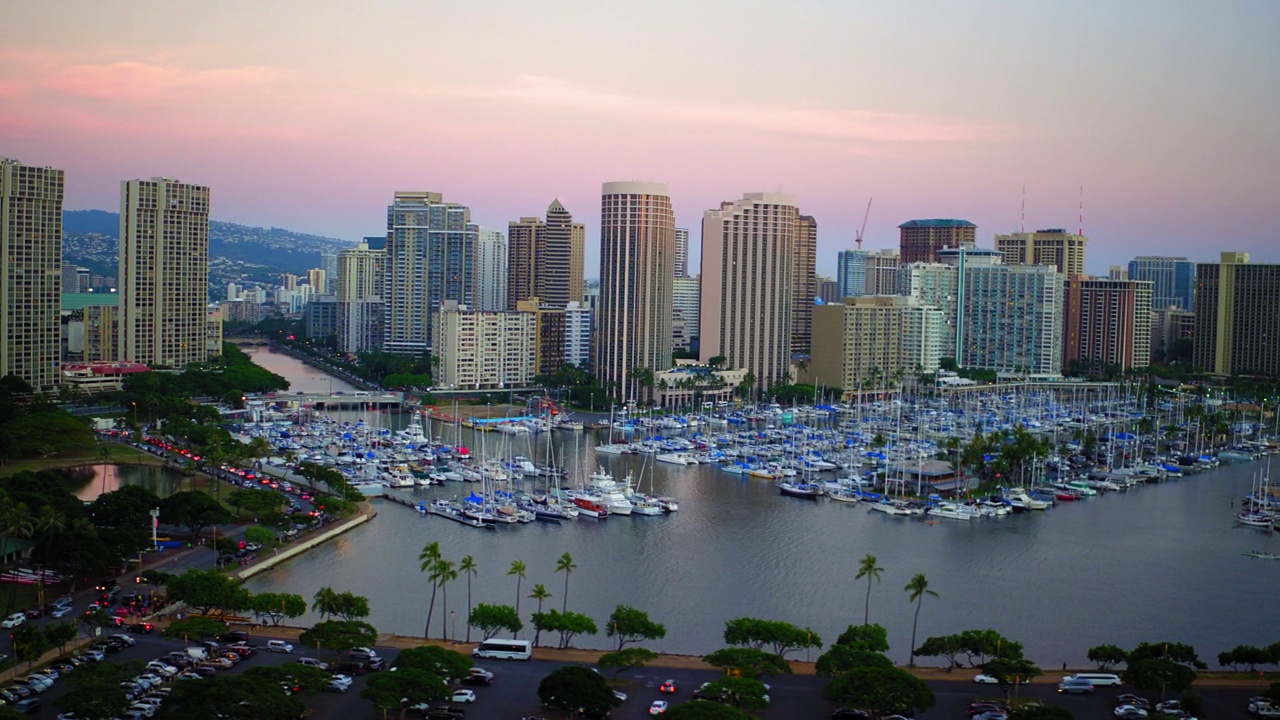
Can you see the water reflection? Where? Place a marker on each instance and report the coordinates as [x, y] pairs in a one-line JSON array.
[[101, 479]]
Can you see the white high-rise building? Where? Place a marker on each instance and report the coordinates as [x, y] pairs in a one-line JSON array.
[[637, 266], [164, 272], [430, 255], [359, 295], [682, 252], [933, 284], [577, 334], [484, 349], [685, 307], [748, 255], [30, 273], [491, 270], [851, 273]]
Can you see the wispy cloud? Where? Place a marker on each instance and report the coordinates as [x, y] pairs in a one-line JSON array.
[[832, 124], [140, 80]]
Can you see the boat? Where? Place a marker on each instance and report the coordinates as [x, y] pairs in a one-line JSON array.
[[1019, 498], [954, 511], [1262, 555], [590, 508], [808, 490], [846, 495], [454, 512], [1255, 518], [894, 507]]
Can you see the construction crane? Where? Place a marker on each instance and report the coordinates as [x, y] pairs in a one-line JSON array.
[[863, 229]]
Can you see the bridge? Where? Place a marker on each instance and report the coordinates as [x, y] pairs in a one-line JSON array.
[[329, 400]]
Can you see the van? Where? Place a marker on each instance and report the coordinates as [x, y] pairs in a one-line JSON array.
[[197, 653], [1072, 685], [1096, 679]]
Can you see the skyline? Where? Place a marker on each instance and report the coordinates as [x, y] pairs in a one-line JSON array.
[[1158, 110]]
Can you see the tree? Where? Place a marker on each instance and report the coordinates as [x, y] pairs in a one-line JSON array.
[[869, 569], [627, 659], [94, 690], [258, 502], [275, 607], [841, 659], [1177, 652], [1011, 672], [539, 593], [207, 590], [1107, 655], [577, 687], [193, 510], [631, 625], [249, 696], [427, 559], [568, 624], [566, 566], [339, 636], [445, 572], [740, 692], [871, 638], [1246, 655], [916, 590], [782, 637], [439, 661], [518, 569], [265, 537], [345, 605], [1159, 673], [489, 619], [325, 601], [194, 628], [705, 710], [947, 647], [403, 689], [881, 691], [467, 566], [748, 661], [130, 506]]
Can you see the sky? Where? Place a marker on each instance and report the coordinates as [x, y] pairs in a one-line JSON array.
[[1157, 116]]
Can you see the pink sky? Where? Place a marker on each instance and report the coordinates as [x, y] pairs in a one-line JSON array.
[[309, 117]]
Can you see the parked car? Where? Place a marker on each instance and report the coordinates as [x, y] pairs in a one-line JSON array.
[[142, 628], [235, 636], [986, 679], [658, 707], [279, 646], [313, 662], [28, 706], [1075, 686], [668, 687], [14, 620], [463, 695]]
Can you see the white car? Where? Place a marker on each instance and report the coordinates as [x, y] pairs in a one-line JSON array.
[[658, 707], [279, 646], [14, 620], [60, 611], [341, 679], [313, 662], [986, 679], [143, 708], [463, 695]]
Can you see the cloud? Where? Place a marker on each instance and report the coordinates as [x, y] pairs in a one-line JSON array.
[[838, 125], [142, 80]]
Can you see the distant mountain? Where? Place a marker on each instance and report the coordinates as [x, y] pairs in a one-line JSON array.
[[237, 253]]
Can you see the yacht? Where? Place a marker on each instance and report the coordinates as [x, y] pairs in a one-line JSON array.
[[1019, 498]]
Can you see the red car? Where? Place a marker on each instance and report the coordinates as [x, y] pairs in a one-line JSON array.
[[667, 687]]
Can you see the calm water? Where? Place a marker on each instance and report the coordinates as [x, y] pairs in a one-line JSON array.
[[107, 478], [1157, 563]]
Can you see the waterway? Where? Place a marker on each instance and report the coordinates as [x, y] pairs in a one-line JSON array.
[[1159, 562]]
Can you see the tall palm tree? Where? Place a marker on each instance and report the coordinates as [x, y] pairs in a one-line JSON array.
[[517, 569], [916, 590], [566, 566], [428, 558], [871, 571], [324, 602], [468, 568], [539, 593], [445, 572]]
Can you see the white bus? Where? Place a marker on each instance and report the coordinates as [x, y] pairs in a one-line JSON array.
[[504, 649]]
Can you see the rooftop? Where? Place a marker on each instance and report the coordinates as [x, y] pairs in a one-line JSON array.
[[937, 222]]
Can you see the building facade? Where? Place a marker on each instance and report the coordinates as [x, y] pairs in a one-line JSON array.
[[544, 258], [484, 350], [1055, 247], [1107, 324], [1008, 317], [748, 255], [872, 342], [934, 285], [804, 284], [491, 270], [549, 332], [31, 273], [920, 240], [851, 274], [682, 252], [1173, 280], [430, 258], [1237, 308], [637, 267], [164, 272], [686, 300], [1172, 331], [577, 335], [360, 284]]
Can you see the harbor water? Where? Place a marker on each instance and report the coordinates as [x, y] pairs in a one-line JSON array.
[[1160, 562]]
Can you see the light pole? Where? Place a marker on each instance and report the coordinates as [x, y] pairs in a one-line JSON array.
[[135, 413], [155, 523]]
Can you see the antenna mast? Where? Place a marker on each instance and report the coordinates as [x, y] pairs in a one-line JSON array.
[[1022, 224], [1081, 230], [863, 229]]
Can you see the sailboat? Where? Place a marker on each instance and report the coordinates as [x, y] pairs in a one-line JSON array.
[[1254, 511], [642, 504]]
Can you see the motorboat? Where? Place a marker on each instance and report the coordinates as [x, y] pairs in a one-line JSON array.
[[1018, 497], [954, 511], [590, 508]]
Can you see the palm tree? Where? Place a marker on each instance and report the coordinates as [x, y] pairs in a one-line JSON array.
[[565, 565], [428, 558], [871, 571], [444, 572], [916, 590], [468, 567], [517, 569], [326, 598], [539, 593]]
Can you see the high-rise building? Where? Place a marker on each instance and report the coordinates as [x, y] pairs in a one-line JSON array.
[[549, 334], [30, 273], [317, 278], [1055, 247], [1237, 329], [851, 273], [920, 240], [1172, 333], [491, 270], [882, 272], [75, 279], [321, 315], [484, 349], [1107, 324], [360, 273], [429, 259], [1173, 280], [869, 342], [329, 263], [637, 266], [1008, 317], [577, 335], [544, 259], [360, 310], [164, 272], [1118, 272], [685, 305], [933, 285], [748, 256], [804, 284], [682, 252]]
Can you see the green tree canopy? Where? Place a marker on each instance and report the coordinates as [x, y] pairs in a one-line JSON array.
[[249, 696], [568, 624], [626, 659], [1011, 672], [194, 510], [1159, 673], [870, 637], [275, 607], [629, 625], [435, 660], [740, 692], [94, 692], [345, 605], [1040, 712], [339, 636], [705, 710], [840, 659], [490, 619], [947, 647], [403, 689], [750, 662], [1177, 652], [1247, 655], [1107, 656], [881, 691], [781, 637], [207, 590], [575, 687]]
